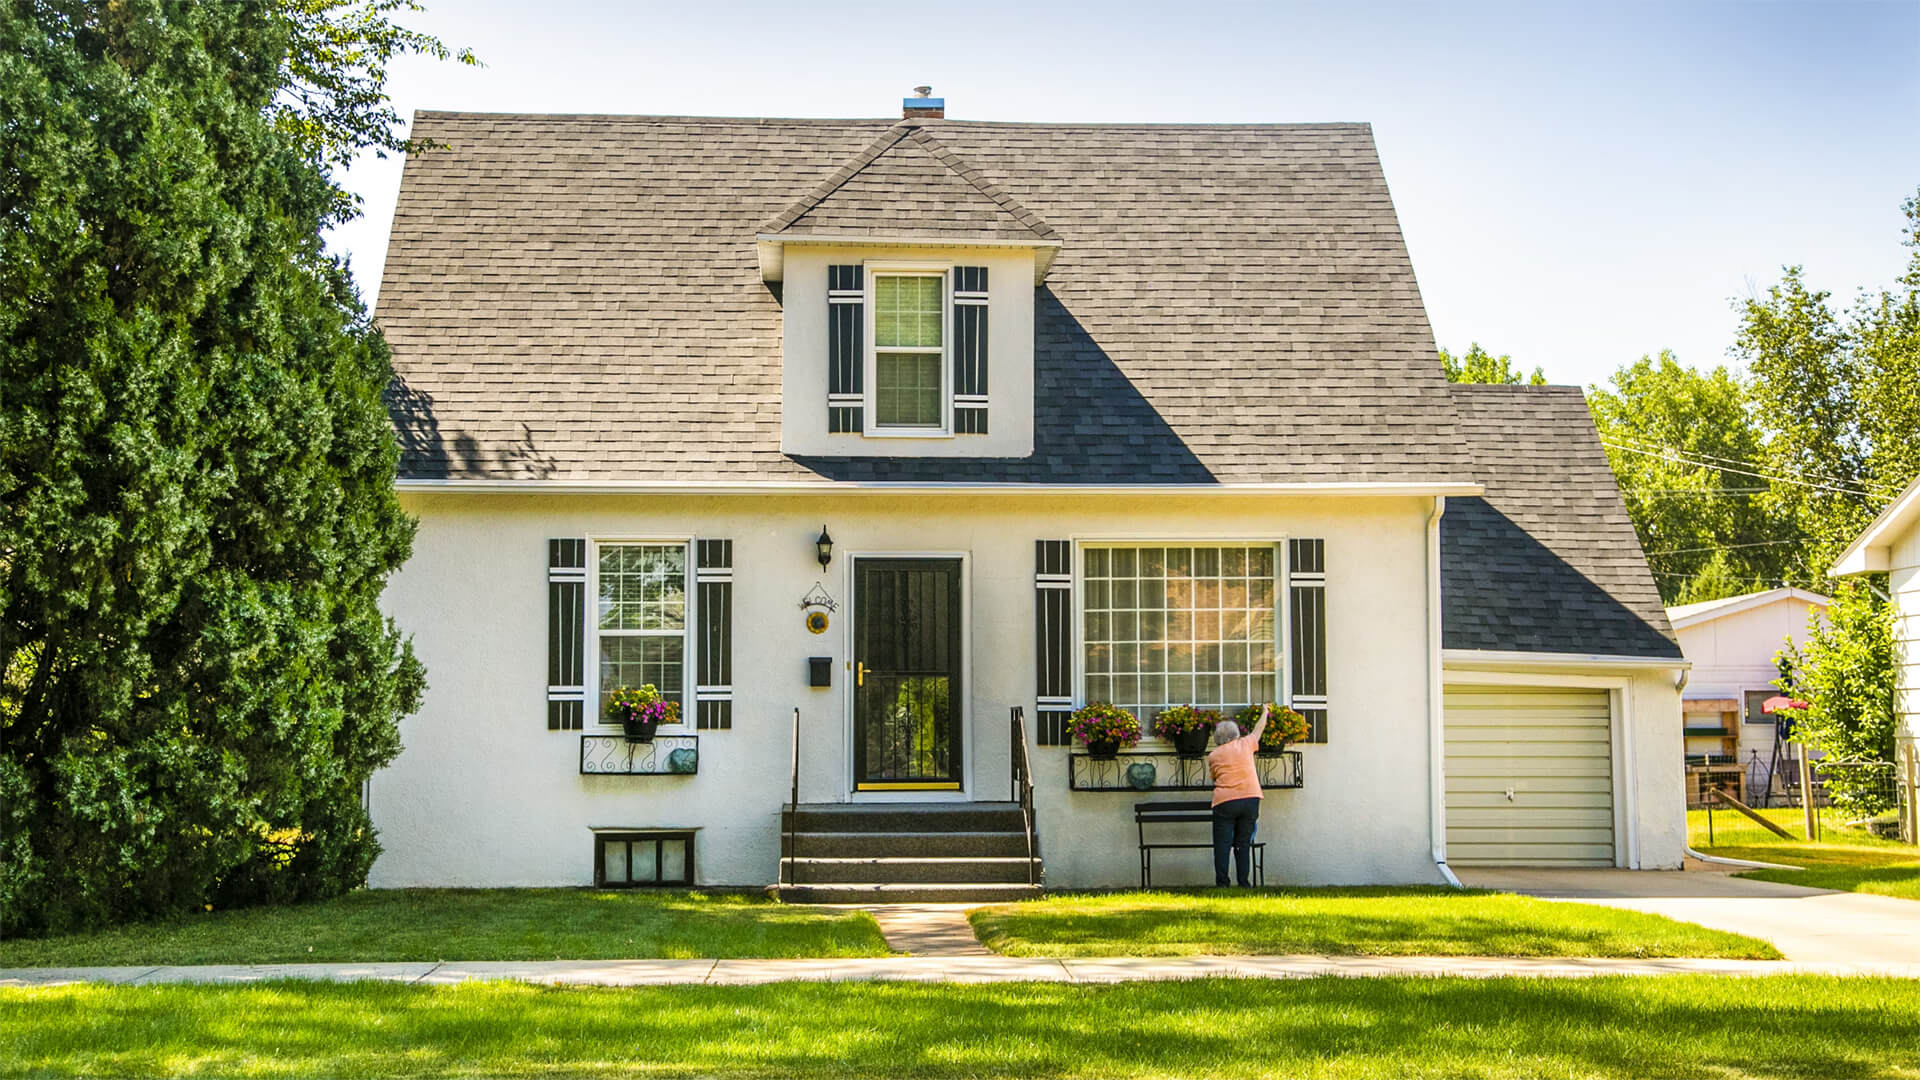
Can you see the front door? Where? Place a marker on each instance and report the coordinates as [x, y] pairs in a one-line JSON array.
[[906, 655]]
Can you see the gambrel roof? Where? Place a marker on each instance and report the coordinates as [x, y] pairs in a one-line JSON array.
[[578, 297]]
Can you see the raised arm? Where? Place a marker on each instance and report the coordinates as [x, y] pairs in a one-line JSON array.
[[1261, 724]]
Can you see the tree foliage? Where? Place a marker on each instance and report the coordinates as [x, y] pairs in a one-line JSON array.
[[196, 470], [1689, 462], [1477, 365], [1843, 668]]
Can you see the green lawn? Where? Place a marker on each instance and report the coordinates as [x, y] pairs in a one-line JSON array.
[[1851, 860], [472, 924], [1666, 1026], [1365, 921]]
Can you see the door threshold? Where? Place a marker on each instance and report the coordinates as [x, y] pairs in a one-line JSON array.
[[888, 785]]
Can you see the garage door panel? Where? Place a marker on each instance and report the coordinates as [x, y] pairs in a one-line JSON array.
[[1551, 748]]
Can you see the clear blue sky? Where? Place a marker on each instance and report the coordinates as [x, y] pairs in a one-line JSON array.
[[1579, 184]]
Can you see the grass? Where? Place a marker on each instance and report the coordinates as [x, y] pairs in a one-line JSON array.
[[1363, 921], [472, 924], [1665, 1026], [1851, 860]]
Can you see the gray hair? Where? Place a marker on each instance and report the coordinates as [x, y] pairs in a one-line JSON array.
[[1225, 732]]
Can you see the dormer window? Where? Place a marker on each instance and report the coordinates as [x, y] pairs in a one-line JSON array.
[[908, 362]]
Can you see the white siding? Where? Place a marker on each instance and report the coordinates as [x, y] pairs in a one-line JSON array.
[[1552, 749]]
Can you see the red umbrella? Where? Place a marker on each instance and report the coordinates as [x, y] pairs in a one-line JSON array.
[[1780, 701]]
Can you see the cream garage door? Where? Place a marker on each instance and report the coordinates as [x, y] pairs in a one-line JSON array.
[[1529, 776]]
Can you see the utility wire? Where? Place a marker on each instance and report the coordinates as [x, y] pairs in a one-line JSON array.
[[1794, 469], [1728, 547], [1675, 457]]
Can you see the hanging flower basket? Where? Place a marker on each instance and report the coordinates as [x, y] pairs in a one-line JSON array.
[[1104, 728], [641, 712]]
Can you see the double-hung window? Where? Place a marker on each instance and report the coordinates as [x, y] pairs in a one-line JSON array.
[[909, 351], [641, 619], [1180, 624]]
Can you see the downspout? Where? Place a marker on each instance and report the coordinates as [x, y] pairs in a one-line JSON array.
[[1436, 701]]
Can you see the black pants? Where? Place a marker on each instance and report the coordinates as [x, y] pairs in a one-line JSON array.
[[1233, 824]]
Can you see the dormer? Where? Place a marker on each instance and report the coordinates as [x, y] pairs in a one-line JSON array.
[[907, 293]]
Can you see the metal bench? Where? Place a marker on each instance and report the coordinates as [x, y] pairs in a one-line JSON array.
[[1174, 813]]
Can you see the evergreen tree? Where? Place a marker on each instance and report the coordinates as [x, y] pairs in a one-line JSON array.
[[196, 471]]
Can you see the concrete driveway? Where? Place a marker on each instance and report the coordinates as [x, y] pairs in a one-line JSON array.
[[1817, 925]]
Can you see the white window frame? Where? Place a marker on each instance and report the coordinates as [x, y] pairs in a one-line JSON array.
[[870, 361], [688, 691], [1282, 609]]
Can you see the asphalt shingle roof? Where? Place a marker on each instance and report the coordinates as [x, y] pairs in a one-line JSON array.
[[578, 297], [1547, 561]]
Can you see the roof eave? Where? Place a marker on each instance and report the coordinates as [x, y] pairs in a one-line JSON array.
[[841, 487], [1872, 551], [1748, 603], [771, 248]]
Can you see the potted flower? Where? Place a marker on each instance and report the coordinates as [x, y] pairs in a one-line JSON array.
[[1187, 728], [1283, 726], [641, 712], [1104, 727]]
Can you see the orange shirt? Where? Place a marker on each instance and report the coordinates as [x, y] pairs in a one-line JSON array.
[[1234, 776]]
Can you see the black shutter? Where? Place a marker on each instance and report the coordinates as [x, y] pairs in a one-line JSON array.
[[970, 350], [846, 358], [713, 670], [1053, 639], [566, 634], [1307, 630]]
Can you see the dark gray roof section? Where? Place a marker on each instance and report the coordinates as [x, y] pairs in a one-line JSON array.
[[1547, 561], [907, 184], [578, 297]]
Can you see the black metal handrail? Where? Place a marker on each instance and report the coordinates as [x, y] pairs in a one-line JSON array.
[[793, 808], [1022, 789]]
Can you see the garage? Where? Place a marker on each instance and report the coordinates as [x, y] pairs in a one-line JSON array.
[[1529, 776]]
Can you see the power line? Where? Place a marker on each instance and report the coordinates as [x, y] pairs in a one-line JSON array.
[[1728, 547], [1795, 469], [1679, 459]]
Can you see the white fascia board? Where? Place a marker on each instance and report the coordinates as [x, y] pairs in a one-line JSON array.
[[772, 249], [1466, 659], [1748, 603], [1872, 552], [836, 488]]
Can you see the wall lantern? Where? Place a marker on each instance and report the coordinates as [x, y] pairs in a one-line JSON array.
[[823, 547]]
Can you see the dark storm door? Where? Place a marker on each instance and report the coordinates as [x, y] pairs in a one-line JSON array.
[[906, 652]]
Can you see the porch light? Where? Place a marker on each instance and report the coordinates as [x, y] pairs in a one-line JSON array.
[[823, 547]]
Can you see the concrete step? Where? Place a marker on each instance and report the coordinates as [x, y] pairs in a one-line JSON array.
[[918, 845], [895, 893], [905, 871], [904, 817]]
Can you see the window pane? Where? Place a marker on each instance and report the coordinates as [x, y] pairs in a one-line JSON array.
[[637, 661], [643, 587], [907, 390], [1205, 641], [907, 310]]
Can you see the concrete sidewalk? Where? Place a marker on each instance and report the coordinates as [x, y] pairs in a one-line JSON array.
[[957, 969], [1818, 925]]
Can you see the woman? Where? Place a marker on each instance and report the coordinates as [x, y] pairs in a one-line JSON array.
[[1236, 796]]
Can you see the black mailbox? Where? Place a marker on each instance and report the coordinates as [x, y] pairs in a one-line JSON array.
[[819, 671]]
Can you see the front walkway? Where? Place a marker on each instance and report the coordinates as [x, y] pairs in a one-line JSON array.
[[1817, 925], [959, 969]]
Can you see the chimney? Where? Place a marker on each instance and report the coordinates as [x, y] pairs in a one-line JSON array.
[[923, 107]]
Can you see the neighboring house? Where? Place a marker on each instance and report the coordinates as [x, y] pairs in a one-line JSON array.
[[1732, 643], [913, 425], [1891, 546]]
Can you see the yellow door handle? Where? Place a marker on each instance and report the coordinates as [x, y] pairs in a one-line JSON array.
[[859, 674]]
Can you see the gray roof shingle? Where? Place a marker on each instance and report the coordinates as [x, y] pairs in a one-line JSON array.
[[1547, 561], [578, 297]]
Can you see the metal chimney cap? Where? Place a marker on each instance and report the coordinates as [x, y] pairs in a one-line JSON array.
[[923, 91]]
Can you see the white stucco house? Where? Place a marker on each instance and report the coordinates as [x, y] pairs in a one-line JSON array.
[[1891, 546], [1732, 643], [913, 426]]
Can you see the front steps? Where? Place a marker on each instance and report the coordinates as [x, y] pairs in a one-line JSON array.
[[888, 853]]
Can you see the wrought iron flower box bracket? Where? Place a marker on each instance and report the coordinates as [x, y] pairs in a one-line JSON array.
[[1170, 771], [613, 755]]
